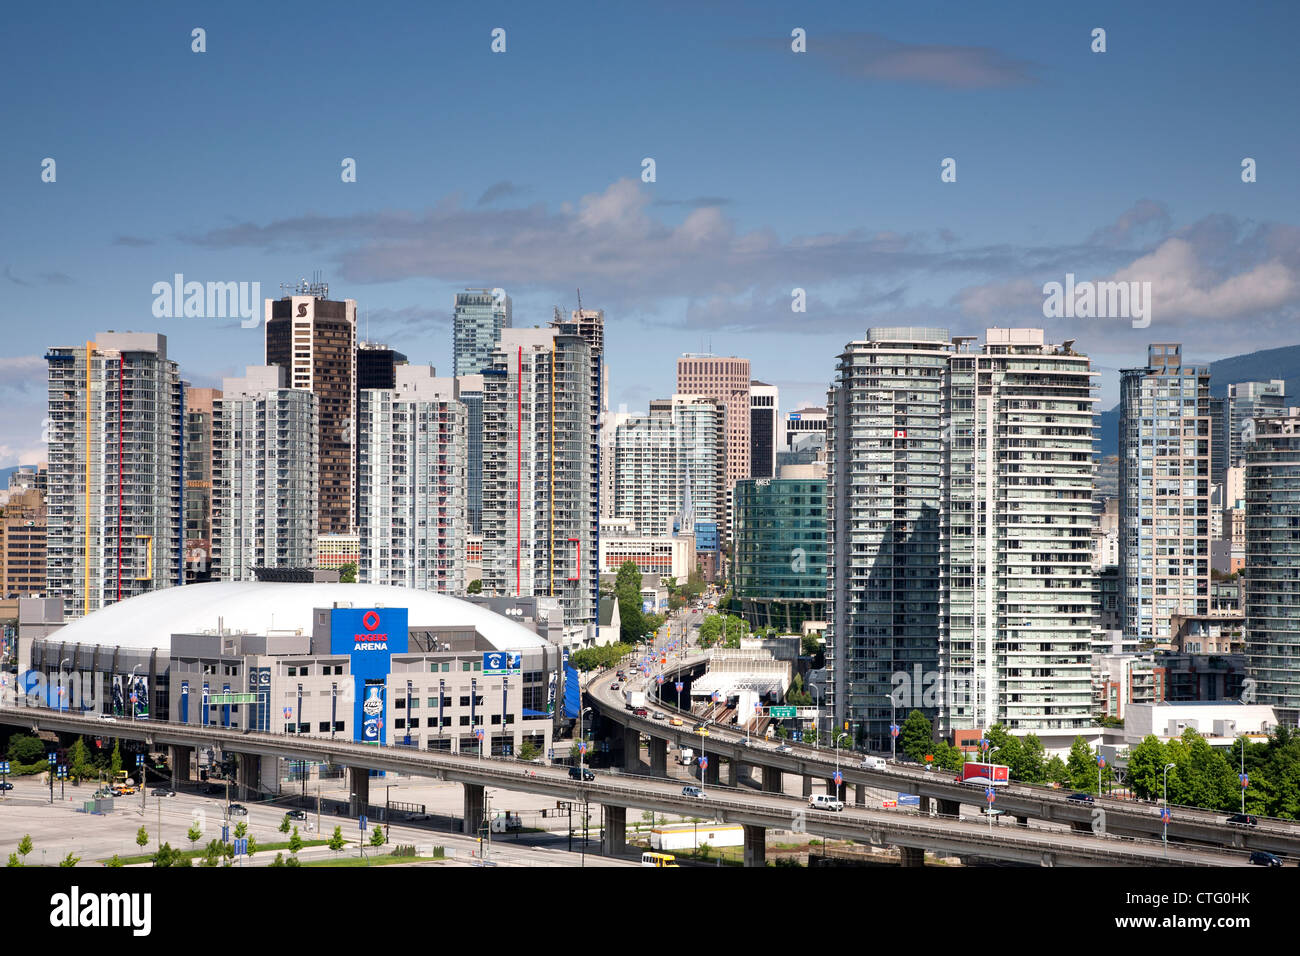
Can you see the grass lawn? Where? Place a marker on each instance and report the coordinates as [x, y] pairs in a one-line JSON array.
[[196, 854], [386, 860]]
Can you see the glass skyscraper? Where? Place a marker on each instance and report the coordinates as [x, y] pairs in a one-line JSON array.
[[477, 321], [780, 550]]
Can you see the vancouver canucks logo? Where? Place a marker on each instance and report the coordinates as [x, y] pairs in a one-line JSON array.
[[373, 706]]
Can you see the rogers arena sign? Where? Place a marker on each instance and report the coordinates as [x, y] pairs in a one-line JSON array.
[[370, 641], [369, 637]]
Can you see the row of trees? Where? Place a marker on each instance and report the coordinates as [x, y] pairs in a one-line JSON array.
[[25, 846], [634, 623], [606, 655], [724, 630], [26, 755]]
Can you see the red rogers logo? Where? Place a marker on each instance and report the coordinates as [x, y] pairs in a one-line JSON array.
[[370, 621]]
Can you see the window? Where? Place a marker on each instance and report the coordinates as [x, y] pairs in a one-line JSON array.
[[324, 726], [338, 725], [399, 723], [464, 720], [304, 728], [464, 665], [464, 701], [400, 703]]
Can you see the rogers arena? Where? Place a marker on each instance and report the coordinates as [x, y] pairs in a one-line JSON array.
[[368, 662]]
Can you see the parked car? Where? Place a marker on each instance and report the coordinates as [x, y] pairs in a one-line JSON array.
[[1261, 858], [238, 810], [297, 814], [693, 792], [581, 773], [6, 785], [1082, 798], [1244, 819]]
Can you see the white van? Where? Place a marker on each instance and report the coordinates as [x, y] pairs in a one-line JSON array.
[[873, 763], [824, 801]]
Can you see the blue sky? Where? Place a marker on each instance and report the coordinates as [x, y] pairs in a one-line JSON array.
[[774, 170]]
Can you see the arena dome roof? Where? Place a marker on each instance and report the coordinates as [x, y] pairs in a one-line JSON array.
[[148, 621]]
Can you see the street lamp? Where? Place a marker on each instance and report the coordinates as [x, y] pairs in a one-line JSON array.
[[1164, 811], [1243, 778], [582, 744], [61, 694], [837, 764], [131, 696]]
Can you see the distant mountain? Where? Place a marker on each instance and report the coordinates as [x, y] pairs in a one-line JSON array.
[[1283, 363]]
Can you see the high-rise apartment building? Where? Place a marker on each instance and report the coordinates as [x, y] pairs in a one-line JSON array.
[[1219, 440], [764, 429], [539, 448], [1164, 489], [1247, 401], [885, 468], [198, 483], [648, 471], [22, 544], [315, 337], [725, 378], [413, 483], [264, 480], [1272, 571], [116, 408], [1016, 524], [376, 368], [959, 530], [701, 428], [478, 318], [469, 388]]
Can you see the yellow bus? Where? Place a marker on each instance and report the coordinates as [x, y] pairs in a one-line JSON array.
[[658, 859]]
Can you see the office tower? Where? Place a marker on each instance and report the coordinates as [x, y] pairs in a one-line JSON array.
[[22, 543], [413, 483], [1164, 486], [885, 454], [1016, 524], [538, 459], [470, 390], [314, 337], [264, 478], [478, 318], [780, 548], [1247, 401], [1219, 440], [198, 483], [725, 378], [1273, 564], [117, 421], [764, 429]]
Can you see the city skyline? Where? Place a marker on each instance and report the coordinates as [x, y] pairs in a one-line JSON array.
[[706, 256]]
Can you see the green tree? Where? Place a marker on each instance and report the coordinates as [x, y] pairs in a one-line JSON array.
[[295, 841], [1146, 764], [25, 847], [811, 645], [293, 861], [529, 750], [336, 840], [79, 761], [475, 587], [142, 838], [194, 833], [115, 763], [252, 846], [165, 856], [1056, 771], [627, 588], [13, 860], [70, 860], [377, 836], [24, 748], [279, 860], [241, 830], [348, 573], [212, 853], [114, 860], [916, 736], [284, 824], [1033, 756]]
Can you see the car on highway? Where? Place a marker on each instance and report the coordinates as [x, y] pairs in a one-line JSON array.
[[1082, 798], [785, 749], [659, 715], [106, 718], [701, 729], [693, 792], [162, 792], [297, 814], [676, 721], [745, 742], [238, 810], [6, 785], [640, 712], [1262, 858], [824, 801], [1243, 819], [581, 773], [616, 686]]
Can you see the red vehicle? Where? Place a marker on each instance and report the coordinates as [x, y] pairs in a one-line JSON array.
[[641, 712], [985, 774]]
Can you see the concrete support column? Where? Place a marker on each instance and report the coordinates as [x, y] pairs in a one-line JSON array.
[[731, 773], [771, 780], [949, 808], [743, 771], [807, 787], [658, 757], [860, 795], [755, 846], [472, 817], [1022, 821], [631, 748], [359, 791], [178, 758], [249, 774], [711, 771], [614, 841], [911, 856]]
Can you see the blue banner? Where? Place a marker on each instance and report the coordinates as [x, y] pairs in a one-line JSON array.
[[369, 637], [185, 702]]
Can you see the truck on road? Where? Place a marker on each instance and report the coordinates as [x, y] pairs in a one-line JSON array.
[[634, 698], [686, 756]]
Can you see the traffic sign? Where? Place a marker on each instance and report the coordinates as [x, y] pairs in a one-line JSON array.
[[889, 804], [241, 846], [782, 713], [4, 766], [225, 833], [139, 760], [362, 821]]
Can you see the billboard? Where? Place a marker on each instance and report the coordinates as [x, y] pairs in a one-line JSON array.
[[985, 774], [369, 637], [502, 664]]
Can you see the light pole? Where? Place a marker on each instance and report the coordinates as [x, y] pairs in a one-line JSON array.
[[837, 764], [1244, 779], [388, 827], [66, 660], [132, 696], [1164, 811], [893, 729], [582, 745]]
